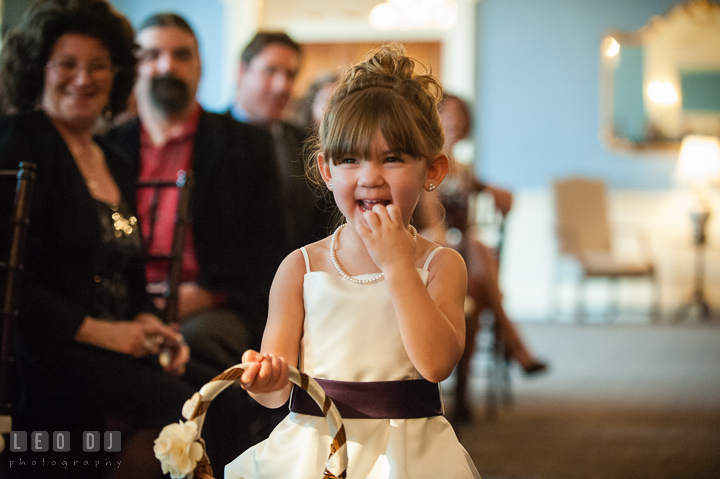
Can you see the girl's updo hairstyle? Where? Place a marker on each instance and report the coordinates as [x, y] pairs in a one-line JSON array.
[[382, 93], [26, 49]]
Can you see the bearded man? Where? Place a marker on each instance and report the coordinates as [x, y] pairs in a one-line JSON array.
[[235, 241]]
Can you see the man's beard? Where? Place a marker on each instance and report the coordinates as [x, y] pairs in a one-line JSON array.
[[169, 94]]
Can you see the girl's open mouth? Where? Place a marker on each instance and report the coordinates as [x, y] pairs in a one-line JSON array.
[[366, 205]]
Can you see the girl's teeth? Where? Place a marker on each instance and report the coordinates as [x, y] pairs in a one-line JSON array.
[[368, 204]]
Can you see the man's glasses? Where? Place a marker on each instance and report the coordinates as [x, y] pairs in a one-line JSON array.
[[69, 68]]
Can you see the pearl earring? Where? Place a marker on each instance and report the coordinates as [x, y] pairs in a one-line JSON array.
[[431, 187], [329, 185]]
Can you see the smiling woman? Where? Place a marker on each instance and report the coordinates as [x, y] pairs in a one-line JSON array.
[[78, 80]]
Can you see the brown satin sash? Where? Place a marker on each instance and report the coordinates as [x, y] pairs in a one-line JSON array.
[[410, 399]]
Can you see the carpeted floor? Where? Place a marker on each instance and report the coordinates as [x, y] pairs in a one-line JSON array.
[[620, 401]]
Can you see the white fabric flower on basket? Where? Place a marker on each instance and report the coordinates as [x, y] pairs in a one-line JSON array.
[[177, 450]]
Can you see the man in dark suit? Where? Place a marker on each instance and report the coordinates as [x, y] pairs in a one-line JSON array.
[[236, 239], [265, 79]]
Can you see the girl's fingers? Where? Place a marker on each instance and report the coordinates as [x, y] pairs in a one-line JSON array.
[[394, 214], [272, 372], [248, 377], [251, 356], [265, 374], [381, 211], [381, 215], [372, 218], [267, 371], [387, 215]]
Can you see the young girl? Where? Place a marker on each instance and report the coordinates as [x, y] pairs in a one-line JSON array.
[[374, 311]]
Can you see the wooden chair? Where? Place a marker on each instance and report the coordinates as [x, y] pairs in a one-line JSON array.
[[584, 234], [174, 257], [489, 343], [133, 436], [19, 184], [499, 385]]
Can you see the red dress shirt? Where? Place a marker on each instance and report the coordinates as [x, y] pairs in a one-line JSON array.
[[164, 162]]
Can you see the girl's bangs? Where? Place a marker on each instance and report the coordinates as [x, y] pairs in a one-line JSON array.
[[356, 120], [351, 135]]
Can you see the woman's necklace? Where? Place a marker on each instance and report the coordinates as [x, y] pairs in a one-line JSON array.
[[333, 258], [88, 159]]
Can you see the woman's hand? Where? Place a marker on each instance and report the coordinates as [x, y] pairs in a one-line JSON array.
[[144, 335], [386, 238], [174, 352], [267, 374]]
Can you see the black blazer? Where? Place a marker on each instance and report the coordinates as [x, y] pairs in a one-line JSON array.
[[236, 213], [309, 216], [63, 237]]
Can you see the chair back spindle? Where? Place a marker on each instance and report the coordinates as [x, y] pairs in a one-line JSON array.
[[184, 184], [12, 266]]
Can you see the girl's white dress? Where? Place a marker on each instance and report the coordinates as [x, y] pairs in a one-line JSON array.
[[351, 334]]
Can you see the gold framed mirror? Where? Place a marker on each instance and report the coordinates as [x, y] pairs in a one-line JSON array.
[[662, 82]]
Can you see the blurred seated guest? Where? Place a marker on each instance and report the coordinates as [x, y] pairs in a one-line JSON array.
[[88, 336], [453, 196], [311, 107], [5, 107], [228, 262], [268, 67]]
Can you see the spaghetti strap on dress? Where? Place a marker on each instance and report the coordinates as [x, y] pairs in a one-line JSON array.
[[307, 259], [429, 258]]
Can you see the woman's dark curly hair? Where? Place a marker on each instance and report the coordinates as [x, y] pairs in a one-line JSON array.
[[26, 49]]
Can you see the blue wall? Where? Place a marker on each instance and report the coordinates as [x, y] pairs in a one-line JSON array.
[[206, 18], [538, 102]]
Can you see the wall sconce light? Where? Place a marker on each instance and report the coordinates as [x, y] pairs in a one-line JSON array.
[[413, 14], [610, 47], [662, 93]]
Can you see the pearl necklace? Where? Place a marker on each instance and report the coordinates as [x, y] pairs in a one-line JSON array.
[[333, 258]]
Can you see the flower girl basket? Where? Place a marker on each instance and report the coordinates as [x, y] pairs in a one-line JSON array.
[[181, 450]]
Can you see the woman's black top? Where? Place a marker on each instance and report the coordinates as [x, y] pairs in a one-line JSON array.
[[75, 265]]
